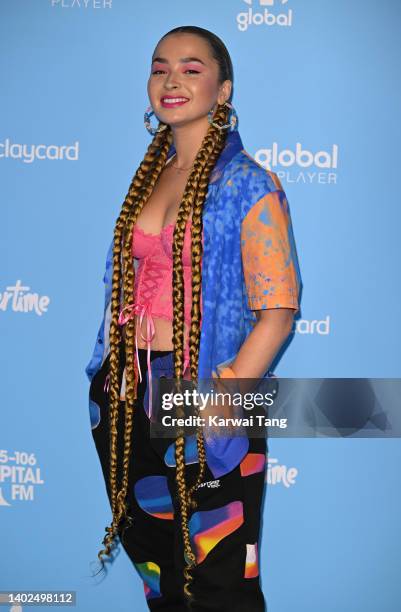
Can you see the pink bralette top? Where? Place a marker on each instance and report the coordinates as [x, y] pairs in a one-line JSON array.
[[153, 285]]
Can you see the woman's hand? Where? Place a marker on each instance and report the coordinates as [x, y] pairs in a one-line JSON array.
[[256, 354], [225, 385]]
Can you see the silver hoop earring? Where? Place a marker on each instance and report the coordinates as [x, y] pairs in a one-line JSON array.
[[232, 118], [146, 119]]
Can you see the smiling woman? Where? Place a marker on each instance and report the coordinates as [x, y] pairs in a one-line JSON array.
[[212, 293]]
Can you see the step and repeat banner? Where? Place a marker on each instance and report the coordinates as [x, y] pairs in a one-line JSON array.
[[318, 96]]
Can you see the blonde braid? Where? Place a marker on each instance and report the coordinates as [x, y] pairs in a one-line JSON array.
[[194, 196], [133, 200], [129, 280], [214, 150]]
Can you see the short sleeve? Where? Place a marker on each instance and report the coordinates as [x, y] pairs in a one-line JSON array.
[[269, 257]]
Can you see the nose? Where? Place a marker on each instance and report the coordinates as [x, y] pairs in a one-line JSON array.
[[172, 80]]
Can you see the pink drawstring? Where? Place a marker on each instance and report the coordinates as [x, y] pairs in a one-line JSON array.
[[145, 309], [186, 360], [141, 309]]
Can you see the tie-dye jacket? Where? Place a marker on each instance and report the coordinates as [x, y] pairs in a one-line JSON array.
[[249, 263]]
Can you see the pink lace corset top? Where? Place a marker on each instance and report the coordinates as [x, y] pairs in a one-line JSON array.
[[153, 279], [153, 286]]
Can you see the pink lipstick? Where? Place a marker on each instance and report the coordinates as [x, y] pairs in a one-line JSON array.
[[173, 101]]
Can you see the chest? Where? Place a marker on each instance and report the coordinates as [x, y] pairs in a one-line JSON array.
[[161, 209]]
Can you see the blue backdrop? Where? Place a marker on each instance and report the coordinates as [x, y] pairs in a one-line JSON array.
[[318, 103]]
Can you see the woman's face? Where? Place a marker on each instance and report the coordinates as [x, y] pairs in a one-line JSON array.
[[183, 85]]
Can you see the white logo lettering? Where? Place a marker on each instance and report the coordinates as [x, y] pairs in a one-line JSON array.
[[84, 4], [270, 158], [266, 17], [276, 474], [211, 484], [317, 163], [23, 302], [28, 153], [303, 326], [21, 474]]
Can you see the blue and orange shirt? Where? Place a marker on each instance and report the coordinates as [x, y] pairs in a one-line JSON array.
[[249, 259]]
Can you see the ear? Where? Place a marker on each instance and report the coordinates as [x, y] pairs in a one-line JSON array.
[[224, 91]]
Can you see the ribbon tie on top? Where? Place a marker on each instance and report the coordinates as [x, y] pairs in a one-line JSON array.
[[140, 310], [129, 312]]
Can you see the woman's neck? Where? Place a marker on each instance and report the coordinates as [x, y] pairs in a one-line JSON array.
[[187, 141]]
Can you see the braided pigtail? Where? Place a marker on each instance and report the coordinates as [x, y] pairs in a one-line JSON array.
[[212, 154], [128, 283], [193, 198], [132, 205]]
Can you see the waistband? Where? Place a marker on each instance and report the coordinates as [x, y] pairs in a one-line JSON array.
[[156, 353]]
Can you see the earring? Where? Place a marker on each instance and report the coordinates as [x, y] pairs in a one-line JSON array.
[[232, 118], [146, 119]]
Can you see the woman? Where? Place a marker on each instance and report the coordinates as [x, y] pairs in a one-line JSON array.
[[212, 292]]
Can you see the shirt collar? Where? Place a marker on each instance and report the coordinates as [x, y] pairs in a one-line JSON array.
[[232, 145]]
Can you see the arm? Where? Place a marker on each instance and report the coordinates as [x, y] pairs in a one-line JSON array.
[[263, 343]]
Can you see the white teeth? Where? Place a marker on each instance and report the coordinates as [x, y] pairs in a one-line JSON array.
[[173, 100]]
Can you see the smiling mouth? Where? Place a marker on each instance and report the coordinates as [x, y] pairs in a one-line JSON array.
[[172, 102]]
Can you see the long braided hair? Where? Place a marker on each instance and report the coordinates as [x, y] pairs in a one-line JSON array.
[[123, 279]]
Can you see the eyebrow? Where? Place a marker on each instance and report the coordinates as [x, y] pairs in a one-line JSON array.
[[184, 60]]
